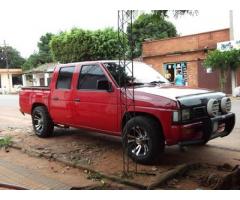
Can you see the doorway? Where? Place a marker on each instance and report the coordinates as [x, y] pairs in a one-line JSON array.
[[172, 68]]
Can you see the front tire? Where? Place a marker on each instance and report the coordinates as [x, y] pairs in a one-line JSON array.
[[42, 123], [143, 139]]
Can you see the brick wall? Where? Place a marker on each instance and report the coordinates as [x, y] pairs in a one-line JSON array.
[[185, 43], [189, 49]]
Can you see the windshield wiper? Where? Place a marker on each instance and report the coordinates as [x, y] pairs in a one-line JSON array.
[[156, 82], [135, 84]]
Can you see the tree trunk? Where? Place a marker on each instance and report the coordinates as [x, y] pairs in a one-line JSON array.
[[233, 77], [221, 80]]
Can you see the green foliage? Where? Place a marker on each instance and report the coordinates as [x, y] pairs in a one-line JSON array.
[[149, 26], [14, 58], [42, 56], [5, 141], [176, 13], [32, 61], [233, 59], [45, 55], [224, 61], [81, 45]]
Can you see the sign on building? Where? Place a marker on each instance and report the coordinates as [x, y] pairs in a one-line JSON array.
[[228, 45]]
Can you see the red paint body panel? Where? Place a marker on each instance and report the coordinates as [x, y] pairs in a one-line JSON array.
[[101, 110]]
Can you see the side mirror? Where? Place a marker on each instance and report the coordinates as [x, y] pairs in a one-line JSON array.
[[104, 85]]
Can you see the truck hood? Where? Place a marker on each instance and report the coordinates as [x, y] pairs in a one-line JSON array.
[[172, 92]]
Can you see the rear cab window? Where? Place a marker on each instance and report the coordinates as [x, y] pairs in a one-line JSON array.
[[65, 75]]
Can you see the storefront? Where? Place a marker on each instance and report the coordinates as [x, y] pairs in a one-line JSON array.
[[171, 69], [187, 54]]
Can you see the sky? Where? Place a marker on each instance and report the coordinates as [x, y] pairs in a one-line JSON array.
[[23, 22]]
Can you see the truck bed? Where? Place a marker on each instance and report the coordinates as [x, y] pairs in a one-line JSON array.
[[36, 88], [33, 95]]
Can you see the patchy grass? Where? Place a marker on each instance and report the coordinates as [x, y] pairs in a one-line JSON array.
[[94, 176], [5, 141]]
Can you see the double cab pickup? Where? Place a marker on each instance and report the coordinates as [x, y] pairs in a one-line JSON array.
[[148, 114]]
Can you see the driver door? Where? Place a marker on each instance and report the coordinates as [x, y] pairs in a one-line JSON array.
[[94, 108]]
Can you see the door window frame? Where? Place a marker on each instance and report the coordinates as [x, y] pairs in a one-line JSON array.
[[58, 75], [92, 90]]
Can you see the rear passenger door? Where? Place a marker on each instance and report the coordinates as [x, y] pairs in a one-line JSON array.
[[61, 104], [94, 108]]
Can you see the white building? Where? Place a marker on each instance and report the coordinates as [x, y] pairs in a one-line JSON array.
[[10, 80], [39, 76]]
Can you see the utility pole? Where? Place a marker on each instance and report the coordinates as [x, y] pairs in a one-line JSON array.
[[231, 24], [233, 74]]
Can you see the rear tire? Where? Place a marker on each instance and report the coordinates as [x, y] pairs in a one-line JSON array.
[[42, 123], [143, 139]]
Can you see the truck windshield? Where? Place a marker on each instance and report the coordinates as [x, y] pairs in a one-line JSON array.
[[143, 74]]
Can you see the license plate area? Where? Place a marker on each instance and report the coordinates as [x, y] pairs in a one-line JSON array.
[[218, 127]]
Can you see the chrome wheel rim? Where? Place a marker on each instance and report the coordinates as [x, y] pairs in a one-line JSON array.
[[38, 121], [138, 141]]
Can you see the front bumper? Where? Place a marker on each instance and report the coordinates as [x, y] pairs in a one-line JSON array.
[[204, 130]]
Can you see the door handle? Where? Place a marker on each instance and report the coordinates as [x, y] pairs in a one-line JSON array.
[[77, 100], [55, 98]]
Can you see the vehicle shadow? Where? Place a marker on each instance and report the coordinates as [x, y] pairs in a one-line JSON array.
[[79, 134], [173, 155]]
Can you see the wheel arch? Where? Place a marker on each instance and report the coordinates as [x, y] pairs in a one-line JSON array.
[[37, 104], [128, 115]]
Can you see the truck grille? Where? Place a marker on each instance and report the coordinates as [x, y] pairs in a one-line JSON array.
[[199, 112]]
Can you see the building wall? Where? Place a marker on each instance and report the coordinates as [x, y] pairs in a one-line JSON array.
[[6, 84], [191, 49], [192, 65], [238, 77], [185, 43]]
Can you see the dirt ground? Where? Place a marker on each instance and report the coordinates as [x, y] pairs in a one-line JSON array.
[[90, 160], [103, 154], [75, 178]]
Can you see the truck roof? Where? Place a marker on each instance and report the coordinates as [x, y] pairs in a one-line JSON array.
[[88, 62]]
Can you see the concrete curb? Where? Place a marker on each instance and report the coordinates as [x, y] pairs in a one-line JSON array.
[[33, 153], [178, 171]]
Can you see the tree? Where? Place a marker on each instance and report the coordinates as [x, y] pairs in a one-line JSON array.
[[15, 60], [42, 56], [223, 61], [44, 49], [81, 45], [149, 26], [32, 62], [176, 13]]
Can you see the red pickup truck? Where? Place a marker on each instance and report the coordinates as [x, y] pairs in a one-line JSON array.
[[90, 95]]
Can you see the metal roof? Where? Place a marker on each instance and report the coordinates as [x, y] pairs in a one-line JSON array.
[[45, 68]]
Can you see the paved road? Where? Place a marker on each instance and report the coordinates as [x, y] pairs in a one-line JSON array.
[[11, 117]]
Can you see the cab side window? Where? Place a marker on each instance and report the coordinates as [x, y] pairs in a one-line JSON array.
[[65, 78], [89, 77]]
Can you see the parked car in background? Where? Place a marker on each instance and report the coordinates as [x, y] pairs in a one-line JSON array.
[[150, 114]]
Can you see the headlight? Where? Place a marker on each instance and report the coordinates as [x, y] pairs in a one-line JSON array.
[[182, 115], [213, 107], [226, 105], [185, 114]]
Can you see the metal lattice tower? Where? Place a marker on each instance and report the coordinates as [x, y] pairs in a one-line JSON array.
[[127, 100]]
